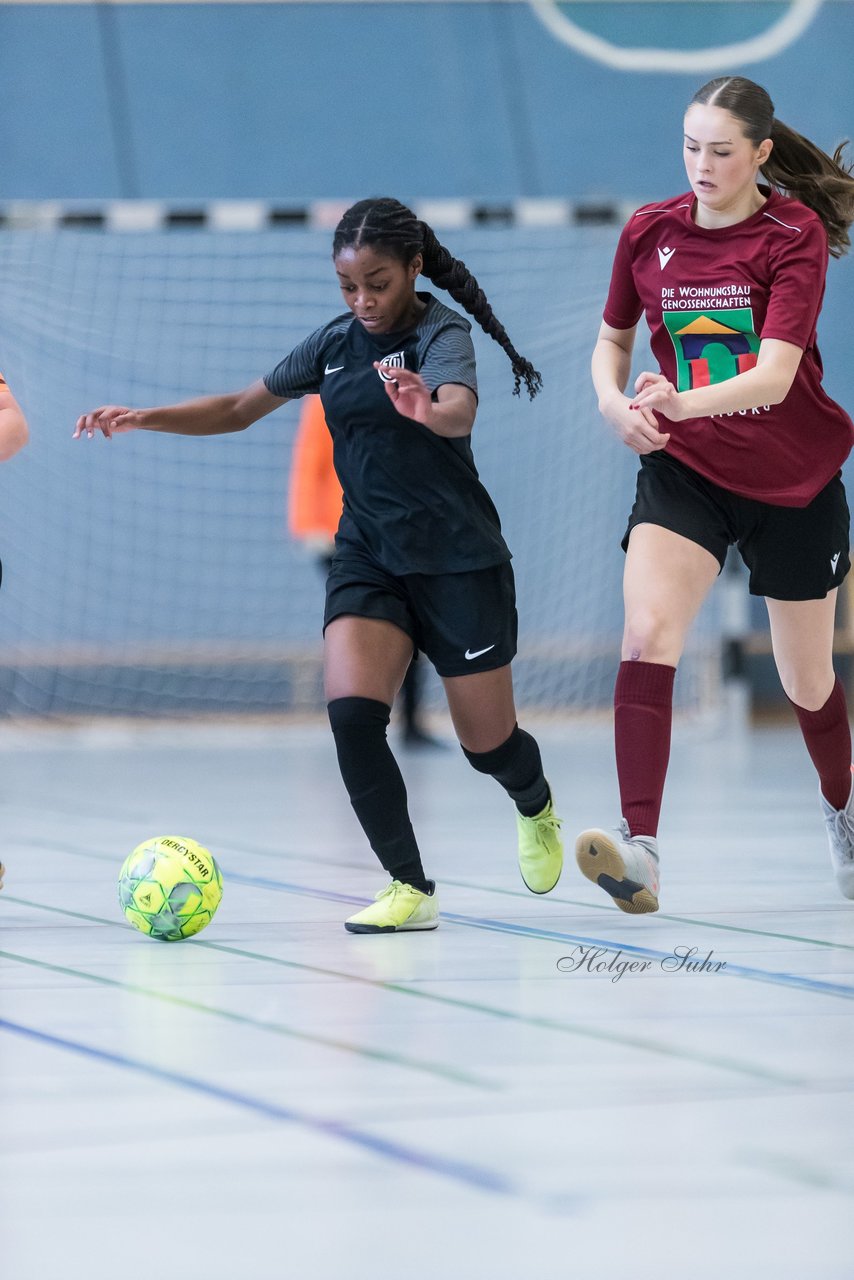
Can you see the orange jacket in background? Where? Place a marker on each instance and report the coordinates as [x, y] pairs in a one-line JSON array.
[[314, 494]]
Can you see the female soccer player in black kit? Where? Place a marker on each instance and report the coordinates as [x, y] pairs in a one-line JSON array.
[[420, 562]]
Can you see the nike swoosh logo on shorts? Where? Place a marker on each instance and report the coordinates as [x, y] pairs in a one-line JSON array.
[[337, 369], [470, 655]]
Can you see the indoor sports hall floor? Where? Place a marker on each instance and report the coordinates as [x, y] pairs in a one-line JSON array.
[[278, 1098]]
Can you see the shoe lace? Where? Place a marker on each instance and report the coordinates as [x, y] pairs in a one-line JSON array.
[[841, 824], [547, 823], [625, 834], [392, 890]]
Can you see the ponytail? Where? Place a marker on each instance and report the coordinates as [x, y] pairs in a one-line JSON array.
[[395, 230], [454, 277], [824, 183]]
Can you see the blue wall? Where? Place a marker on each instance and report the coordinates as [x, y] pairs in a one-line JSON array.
[[115, 550], [425, 99]]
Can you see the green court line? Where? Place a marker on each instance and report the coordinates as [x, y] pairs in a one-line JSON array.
[[546, 935], [469, 1175], [720, 1061], [661, 915], [553, 898], [277, 1028], [794, 1169]]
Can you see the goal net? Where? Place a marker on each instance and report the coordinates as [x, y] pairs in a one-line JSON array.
[[155, 574]]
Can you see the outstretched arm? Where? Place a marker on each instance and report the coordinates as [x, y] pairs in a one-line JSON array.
[[14, 432], [205, 416]]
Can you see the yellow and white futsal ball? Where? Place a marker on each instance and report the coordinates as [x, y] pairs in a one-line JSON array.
[[170, 887]]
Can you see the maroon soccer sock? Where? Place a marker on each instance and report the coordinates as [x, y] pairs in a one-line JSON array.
[[643, 711], [827, 734]]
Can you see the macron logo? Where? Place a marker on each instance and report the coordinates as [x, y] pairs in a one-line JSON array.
[[834, 561], [664, 256]]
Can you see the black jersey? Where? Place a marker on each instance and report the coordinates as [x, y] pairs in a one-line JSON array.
[[412, 499]]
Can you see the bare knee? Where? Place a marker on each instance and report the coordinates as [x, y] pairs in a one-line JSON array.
[[809, 690], [482, 708], [650, 636], [486, 730]]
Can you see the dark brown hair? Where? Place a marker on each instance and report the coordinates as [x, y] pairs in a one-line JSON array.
[[390, 227], [796, 166]]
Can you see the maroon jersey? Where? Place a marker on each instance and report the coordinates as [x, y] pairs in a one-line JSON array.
[[709, 296]]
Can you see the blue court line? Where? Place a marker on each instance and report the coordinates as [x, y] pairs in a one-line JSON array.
[[457, 1171], [791, 980], [555, 899], [470, 1006], [733, 970]]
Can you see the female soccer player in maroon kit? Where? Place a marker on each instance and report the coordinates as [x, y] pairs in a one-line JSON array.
[[739, 443]]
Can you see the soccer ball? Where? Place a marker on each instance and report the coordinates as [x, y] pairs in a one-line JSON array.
[[170, 887]]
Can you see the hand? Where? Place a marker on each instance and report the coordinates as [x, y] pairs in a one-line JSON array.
[[110, 418], [653, 391], [637, 428], [409, 393]]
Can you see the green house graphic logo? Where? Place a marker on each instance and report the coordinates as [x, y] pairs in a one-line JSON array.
[[711, 346]]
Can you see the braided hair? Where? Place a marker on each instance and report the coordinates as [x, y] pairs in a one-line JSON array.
[[389, 226], [795, 166]]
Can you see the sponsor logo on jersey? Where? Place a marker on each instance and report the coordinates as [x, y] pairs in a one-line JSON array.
[[711, 346], [664, 256], [394, 361]]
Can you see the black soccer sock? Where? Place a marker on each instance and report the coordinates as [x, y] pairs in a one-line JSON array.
[[375, 785], [516, 764]]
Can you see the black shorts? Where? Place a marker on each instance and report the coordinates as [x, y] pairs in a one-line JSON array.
[[793, 553], [463, 622]]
